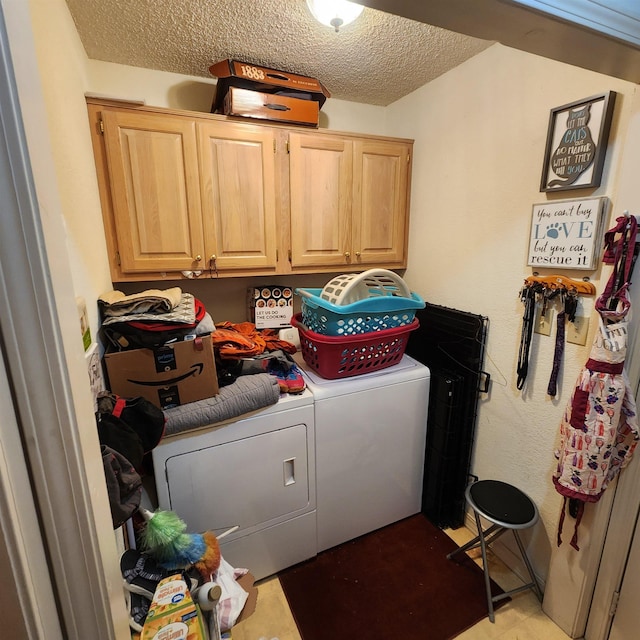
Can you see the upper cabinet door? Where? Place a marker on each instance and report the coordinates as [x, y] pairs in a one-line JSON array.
[[153, 171], [380, 201], [237, 173], [321, 177]]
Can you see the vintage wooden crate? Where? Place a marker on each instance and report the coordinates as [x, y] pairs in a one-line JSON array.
[[231, 73]]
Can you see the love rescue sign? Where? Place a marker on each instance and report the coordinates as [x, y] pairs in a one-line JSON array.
[[567, 233]]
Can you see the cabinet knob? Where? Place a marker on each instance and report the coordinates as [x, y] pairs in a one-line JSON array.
[[213, 257], [357, 254], [197, 258], [347, 254]]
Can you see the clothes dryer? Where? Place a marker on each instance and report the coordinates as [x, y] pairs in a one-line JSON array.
[[256, 472]]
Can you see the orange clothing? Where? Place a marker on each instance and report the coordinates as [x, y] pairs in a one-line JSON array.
[[243, 340]]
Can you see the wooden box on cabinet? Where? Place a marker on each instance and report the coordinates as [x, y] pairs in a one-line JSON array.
[[265, 106], [231, 73]]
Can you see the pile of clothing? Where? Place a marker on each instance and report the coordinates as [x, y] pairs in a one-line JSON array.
[[242, 349], [128, 429], [151, 318], [156, 317]]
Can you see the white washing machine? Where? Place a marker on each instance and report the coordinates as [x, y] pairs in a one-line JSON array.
[[370, 433]]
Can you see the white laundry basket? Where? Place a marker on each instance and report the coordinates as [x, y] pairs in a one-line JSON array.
[[352, 287], [352, 304]]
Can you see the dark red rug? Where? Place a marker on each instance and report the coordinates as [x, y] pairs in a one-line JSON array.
[[393, 583]]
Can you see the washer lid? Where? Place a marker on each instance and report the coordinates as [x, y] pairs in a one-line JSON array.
[[406, 369]]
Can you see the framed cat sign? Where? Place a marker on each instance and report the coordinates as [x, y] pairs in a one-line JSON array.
[[577, 143]]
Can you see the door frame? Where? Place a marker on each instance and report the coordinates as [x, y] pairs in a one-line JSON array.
[[624, 511], [47, 375]]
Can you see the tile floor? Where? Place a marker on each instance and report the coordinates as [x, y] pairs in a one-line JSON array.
[[520, 619]]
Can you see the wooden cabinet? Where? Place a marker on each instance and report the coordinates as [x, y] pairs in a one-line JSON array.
[[156, 194], [321, 179], [380, 201], [237, 185], [186, 193], [349, 201]]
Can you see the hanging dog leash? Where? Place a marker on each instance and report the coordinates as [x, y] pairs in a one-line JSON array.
[[567, 311], [559, 346], [528, 295]]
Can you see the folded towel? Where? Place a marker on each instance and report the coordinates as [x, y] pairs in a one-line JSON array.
[[182, 313], [116, 303]]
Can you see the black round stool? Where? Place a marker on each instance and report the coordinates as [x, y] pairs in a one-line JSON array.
[[507, 508]]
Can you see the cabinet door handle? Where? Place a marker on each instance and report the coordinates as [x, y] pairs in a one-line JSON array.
[[197, 258], [357, 254], [289, 471], [347, 254]]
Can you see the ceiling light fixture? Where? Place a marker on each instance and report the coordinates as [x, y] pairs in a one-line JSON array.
[[334, 13]]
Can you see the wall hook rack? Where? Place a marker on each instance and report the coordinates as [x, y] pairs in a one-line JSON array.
[[557, 281]]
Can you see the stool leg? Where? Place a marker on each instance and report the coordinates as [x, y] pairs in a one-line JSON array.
[[472, 544], [485, 567], [534, 581]]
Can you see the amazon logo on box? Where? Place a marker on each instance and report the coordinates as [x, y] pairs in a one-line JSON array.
[[168, 376]]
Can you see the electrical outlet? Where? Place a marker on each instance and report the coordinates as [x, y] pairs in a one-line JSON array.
[[543, 322], [576, 331]]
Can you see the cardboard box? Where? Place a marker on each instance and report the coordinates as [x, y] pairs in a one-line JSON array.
[[231, 73], [246, 582], [270, 307], [168, 376], [173, 615], [264, 106]]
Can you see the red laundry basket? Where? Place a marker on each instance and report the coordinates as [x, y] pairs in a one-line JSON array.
[[335, 357]]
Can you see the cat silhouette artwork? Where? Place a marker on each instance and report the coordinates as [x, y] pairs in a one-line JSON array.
[[576, 149]]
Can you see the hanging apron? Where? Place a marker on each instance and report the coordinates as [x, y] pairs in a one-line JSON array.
[[599, 428]]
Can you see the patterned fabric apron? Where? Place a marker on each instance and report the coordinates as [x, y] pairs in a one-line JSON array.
[[599, 428]]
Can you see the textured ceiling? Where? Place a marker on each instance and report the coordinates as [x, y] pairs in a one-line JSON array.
[[375, 60]]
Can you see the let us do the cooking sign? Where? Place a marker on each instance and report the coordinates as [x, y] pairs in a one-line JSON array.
[[567, 233]]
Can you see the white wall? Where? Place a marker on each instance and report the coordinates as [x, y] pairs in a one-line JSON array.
[[480, 133], [64, 77]]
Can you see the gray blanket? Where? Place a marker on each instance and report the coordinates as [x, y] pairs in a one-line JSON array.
[[247, 393]]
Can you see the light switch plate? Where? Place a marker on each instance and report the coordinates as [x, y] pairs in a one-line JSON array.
[[543, 323], [576, 331]]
